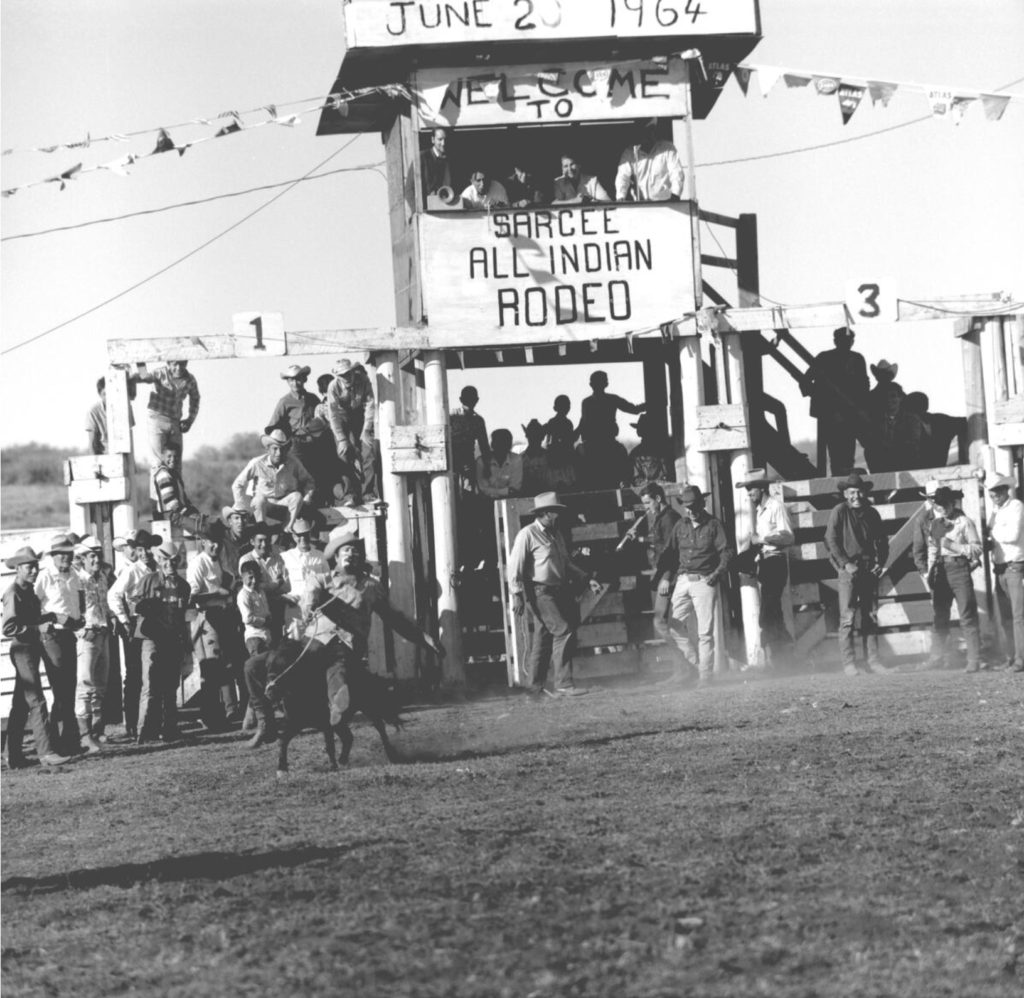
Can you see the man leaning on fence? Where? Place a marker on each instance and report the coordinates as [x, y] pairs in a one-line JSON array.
[[858, 547], [1006, 537]]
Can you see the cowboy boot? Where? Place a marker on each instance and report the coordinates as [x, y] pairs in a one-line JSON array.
[[89, 744]]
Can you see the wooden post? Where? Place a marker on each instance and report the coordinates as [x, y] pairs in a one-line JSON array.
[[124, 516], [1015, 345], [731, 360], [442, 492], [993, 365], [692, 466], [395, 492], [974, 398], [675, 411], [656, 394]]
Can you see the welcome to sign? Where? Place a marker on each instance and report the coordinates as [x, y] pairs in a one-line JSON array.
[[542, 275], [388, 23], [550, 93]]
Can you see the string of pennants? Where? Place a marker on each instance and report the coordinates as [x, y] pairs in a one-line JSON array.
[[850, 91], [165, 143]]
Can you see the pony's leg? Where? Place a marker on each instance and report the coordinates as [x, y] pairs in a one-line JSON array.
[[389, 750], [344, 732]]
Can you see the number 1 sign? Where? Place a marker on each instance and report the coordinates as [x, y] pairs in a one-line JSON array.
[[258, 334], [871, 301]]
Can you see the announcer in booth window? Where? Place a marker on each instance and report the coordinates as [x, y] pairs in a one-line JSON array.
[[650, 170], [576, 187], [483, 192]]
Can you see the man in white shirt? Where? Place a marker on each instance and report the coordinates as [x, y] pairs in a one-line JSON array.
[[276, 580], [135, 549], [93, 645], [59, 592], [1006, 538], [483, 192], [576, 187], [650, 170], [304, 563], [766, 555], [501, 475]]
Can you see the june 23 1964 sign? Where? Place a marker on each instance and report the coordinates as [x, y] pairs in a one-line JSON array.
[[385, 23], [565, 273]]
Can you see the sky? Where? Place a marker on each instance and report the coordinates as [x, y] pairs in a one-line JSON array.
[[929, 208]]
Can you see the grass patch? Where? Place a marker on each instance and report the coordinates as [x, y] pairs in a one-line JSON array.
[[806, 836]]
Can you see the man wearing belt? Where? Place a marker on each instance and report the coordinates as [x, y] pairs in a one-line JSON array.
[[922, 532], [954, 549], [768, 562], [59, 593], [540, 574], [697, 555], [1006, 533], [22, 619], [93, 646], [858, 547]]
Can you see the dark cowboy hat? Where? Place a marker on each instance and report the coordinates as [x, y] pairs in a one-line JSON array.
[[945, 496], [853, 481], [23, 556], [255, 529], [883, 367], [139, 538], [757, 478], [691, 494]]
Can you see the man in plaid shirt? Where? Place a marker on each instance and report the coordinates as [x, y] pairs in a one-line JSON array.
[[172, 385]]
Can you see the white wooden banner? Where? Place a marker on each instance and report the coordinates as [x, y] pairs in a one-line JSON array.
[[545, 275], [551, 92], [387, 23]]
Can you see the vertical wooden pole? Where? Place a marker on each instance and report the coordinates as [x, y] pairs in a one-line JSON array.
[[656, 393], [1015, 345], [993, 365], [396, 494], [442, 493], [675, 411], [974, 399], [124, 516], [692, 466], [731, 359]]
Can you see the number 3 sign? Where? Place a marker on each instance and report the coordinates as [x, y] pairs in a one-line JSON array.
[[871, 301]]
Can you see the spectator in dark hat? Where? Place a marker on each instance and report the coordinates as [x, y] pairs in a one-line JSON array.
[[696, 558], [899, 441], [22, 619], [536, 474], [858, 547], [649, 459], [885, 375]]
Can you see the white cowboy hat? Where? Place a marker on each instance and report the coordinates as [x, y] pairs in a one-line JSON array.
[[546, 500], [277, 437], [296, 372]]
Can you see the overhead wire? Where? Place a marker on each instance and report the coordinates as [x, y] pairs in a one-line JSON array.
[[181, 259]]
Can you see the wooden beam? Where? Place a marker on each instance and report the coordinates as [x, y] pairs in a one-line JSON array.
[[974, 398]]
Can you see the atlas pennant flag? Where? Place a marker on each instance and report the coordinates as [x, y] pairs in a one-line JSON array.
[[850, 96], [743, 78], [719, 73], [940, 102]]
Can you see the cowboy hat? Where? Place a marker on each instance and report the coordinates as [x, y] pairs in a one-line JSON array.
[[545, 501], [140, 538], [237, 509], [23, 556], [88, 545], [301, 526], [1000, 482], [168, 549], [757, 478], [299, 373], [277, 437], [62, 544], [342, 538], [342, 367], [945, 496], [691, 494], [883, 367], [854, 481], [930, 486], [262, 527]]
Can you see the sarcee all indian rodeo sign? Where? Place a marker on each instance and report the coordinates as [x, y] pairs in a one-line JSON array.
[[564, 273]]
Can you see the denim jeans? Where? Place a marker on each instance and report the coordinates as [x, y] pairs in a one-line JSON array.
[[664, 629], [556, 614], [858, 593], [158, 700], [693, 605], [27, 704], [952, 580], [132, 683], [1010, 593], [93, 667], [60, 659], [772, 576]]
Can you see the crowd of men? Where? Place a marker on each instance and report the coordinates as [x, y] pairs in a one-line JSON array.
[[649, 169], [896, 429]]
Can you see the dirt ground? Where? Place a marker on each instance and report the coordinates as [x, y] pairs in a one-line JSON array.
[[812, 835]]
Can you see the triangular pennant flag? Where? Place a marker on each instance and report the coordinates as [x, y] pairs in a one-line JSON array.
[[230, 114], [9, 193], [826, 85], [940, 101], [272, 110], [84, 144], [182, 149], [119, 166], [743, 78], [228, 129], [718, 74], [959, 108], [850, 96], [767, 77], [291, 120], [994, 106], [881, 92], [164, 143], [796, 80], [67, 175], [202, 121]]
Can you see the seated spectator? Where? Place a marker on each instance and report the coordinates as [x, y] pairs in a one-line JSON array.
[[576, 187], [885, 375], [282, 485], [649, 460], [483, 192], [941, 429], [649, 170], [171, 501], [536, 474], [502, 475], [521, 188], [899, 441]]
